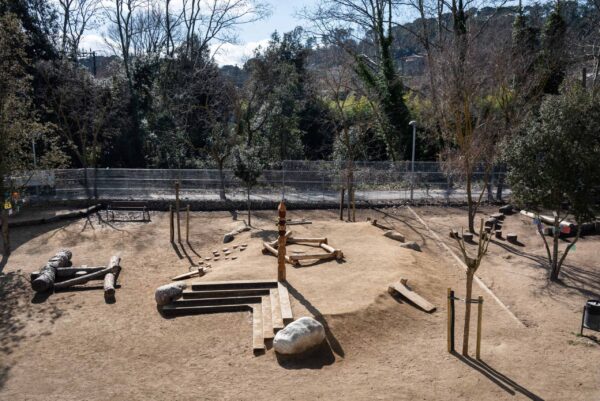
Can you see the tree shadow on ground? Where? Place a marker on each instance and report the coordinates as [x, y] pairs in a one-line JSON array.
[[407, 221], [336, 347], [501, 380], [577, 278], [15, 313]]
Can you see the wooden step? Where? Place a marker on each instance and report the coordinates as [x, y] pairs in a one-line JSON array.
[[225, 293], [258, 340], [277, 321], [174, 310], [401, 287], [217, 301], [268, 331], [284, 302], [230, 285]]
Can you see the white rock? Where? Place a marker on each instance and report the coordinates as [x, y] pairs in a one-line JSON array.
[[394, 235], [299, 336], [168, 293], [411, 245]]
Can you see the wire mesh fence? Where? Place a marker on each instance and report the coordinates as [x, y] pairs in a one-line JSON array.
[[297, 181]]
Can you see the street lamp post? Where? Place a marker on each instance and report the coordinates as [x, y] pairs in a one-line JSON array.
[[413, 123]]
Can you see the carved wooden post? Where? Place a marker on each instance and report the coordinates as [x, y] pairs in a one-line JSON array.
[[281, 244], [177, 210]]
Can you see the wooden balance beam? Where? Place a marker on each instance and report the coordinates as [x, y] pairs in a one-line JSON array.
[[332, 253], [402, 288]]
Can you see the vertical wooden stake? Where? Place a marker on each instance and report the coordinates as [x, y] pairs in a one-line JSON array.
[[450, 320], [177, 210], [342, 192], [171, 228], [281, 243], [187, 224], [479, 315]]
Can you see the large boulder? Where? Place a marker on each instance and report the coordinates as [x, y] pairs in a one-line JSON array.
[[168, 293], [300, 336], [411, 245], [394, 235]]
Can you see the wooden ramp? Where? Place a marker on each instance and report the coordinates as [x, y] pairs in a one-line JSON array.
[[402, 288], [268, 301]]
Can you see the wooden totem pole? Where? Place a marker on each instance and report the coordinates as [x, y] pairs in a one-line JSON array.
[[281, 243]]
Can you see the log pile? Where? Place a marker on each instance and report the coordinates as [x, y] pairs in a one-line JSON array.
[[58, 274]]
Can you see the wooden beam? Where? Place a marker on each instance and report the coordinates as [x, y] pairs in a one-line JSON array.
[[319, 256], [110, 279], [84, 279], [294, 240], [225, 293], [233, 284], [284, 302], [413, 297], [338, 253], [276, 318], [267, 317], [281, 210], [258, 339]]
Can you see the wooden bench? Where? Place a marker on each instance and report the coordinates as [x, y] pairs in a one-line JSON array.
[[127, 206]]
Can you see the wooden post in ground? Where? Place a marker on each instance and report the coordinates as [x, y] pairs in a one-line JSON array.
[[342, 192], [281, 243], [187, 224], [177, 210], [479, 315], [450, 320], [171, 227]]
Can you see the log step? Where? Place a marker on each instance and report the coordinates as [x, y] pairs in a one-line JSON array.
[[217, 301], [226, 285], [276, 318], [268, 332], [258, 339], [175, 310], [225, 293], [284, 303]]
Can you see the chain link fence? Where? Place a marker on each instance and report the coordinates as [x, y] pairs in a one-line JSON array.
[[307, 182]]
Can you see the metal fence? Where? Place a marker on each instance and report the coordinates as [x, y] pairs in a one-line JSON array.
[[301, 181]]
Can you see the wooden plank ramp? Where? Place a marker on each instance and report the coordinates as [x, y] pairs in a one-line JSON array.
[[284, 302], [277, 320], [402, 288], [258, 339], [267, 317]]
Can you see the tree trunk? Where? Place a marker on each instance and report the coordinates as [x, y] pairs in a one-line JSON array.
[[221, 182], [554, 263], [465, 350], [248, 201], [471, 213], [5, 232]]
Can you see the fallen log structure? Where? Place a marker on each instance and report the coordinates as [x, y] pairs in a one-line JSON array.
[[331, 252], [47, 275], [110, 279], [87, 277]]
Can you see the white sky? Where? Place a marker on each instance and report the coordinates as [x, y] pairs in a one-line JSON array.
[[250, 35]]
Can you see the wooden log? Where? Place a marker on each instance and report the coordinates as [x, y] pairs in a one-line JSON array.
[[276, 318], [342, 191], [84, 279], [449, 327], [68, 272], [314, 256], [511, 237], [187, 223], [284, 303], [198, 272], [171, 226], [177, 211], [468, 237], [295, 240], [270, 249], [337, 252], [110, 279], [498, 233], [453, 234], [47, 275]]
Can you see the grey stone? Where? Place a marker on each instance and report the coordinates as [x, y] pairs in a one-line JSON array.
[[299, 337], [168, 293], [394, 235]]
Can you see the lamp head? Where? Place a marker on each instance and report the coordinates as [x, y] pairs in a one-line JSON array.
[[412, 123]]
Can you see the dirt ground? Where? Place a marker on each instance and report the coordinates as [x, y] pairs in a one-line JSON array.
[[73, 346]]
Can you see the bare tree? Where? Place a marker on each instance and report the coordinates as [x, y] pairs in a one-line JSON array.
[[77, 17], [472, 264], [216, 20]]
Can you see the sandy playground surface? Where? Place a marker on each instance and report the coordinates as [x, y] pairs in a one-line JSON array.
[[73, 346]]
